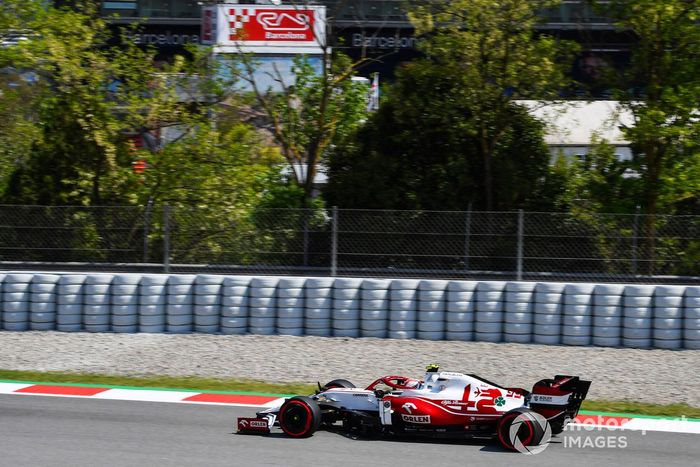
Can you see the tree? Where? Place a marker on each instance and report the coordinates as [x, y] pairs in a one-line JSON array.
[[15, 16], [490, 51], [311, 115], [90, 102], [661, 88], [310, 118], [17, 123], [81, 133], [18, 126], [600, 183], [414, 153]]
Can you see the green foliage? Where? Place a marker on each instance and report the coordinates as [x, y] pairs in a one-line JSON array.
[[68, 136], [77, 141], [600, 182], [18, 129], [213, 180], [493, 46], [90, 99], [16, 15], [318, 98], [661, 87], [491, 56], [312, 117], [416, 152]]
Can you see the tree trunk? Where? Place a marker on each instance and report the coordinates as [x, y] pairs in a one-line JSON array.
[[488, 174]]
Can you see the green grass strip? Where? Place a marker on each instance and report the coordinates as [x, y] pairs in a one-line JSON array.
[[627, 408], [262, 388], [637, 415]]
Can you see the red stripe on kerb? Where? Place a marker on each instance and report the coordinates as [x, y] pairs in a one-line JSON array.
[[230, 399], [62, 390], [601, 420]]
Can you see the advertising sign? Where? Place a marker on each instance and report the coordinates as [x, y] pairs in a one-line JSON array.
[[264, 29]]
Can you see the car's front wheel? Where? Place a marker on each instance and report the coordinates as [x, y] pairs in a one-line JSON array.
[[299, 417]]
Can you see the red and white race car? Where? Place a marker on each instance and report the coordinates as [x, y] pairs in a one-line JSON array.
[[443, 404]]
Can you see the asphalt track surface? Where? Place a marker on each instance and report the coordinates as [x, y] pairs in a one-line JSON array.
[[56, 431]]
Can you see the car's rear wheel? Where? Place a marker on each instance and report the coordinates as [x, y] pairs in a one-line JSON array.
[[338, 383], [299, 417], [521, 428]]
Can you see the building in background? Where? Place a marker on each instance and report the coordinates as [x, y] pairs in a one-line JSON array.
[[165, 24], [378, 29], [571, 125]]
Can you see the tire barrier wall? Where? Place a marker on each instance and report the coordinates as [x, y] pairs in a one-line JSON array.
[[610, 315]]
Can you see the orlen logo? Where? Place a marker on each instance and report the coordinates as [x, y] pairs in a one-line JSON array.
[[279, 21], [422, 419], [253, 423]]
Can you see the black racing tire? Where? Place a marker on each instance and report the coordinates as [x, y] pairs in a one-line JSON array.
[[530, 432], [338, 383], [299, 417]]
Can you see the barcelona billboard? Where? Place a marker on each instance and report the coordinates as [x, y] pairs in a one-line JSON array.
[[264, 29]]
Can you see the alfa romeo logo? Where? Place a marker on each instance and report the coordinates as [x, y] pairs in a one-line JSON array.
[[500, 401], [538, 421]]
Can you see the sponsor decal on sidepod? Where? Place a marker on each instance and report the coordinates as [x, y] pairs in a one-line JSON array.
[[422, 419]]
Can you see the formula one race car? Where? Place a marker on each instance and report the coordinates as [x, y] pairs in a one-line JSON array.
[[444, 404]]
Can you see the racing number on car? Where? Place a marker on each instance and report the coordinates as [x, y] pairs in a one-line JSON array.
[[514, 395], [467, 394], [486, 399]]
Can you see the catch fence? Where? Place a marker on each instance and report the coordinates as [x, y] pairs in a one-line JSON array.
[[341, 242]]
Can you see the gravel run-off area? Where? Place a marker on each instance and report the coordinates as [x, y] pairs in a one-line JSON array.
[[656, 376]]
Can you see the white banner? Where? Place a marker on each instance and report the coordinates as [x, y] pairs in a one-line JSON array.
[[264, 29]]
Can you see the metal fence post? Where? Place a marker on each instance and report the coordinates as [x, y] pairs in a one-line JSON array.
[[147, 228], [166, 238], [467, 235], [305, 238], [521, 229], [334, 241], [635, 239]]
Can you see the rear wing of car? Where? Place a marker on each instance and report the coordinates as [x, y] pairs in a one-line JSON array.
[[559, 399]]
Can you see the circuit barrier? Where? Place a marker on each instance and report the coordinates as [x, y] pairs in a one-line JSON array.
[[609, 315]]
